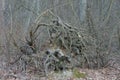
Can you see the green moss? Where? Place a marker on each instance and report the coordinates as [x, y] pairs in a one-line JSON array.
[[77, 74]]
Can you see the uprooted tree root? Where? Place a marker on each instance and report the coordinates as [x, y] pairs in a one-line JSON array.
[[74, 42]]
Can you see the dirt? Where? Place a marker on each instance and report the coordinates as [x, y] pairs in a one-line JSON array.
[[12, 73]]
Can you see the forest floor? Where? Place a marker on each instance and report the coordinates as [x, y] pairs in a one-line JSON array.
[[11, 73]]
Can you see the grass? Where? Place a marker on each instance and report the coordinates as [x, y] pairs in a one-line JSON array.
[[78, 74]]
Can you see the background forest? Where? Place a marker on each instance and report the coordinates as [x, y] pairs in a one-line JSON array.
[[41, 36]]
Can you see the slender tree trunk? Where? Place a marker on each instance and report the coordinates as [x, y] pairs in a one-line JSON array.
[[83, 6]]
